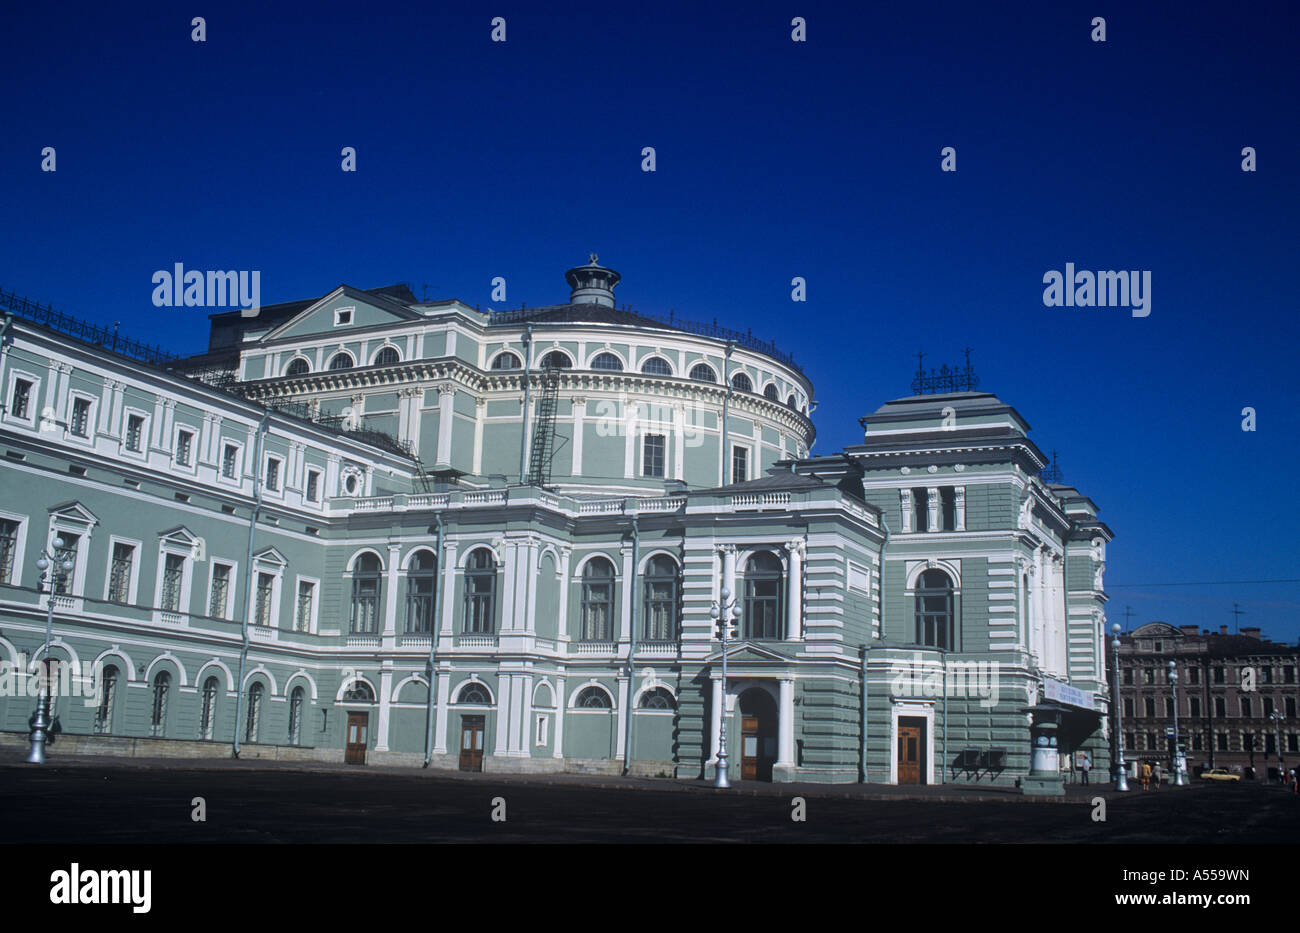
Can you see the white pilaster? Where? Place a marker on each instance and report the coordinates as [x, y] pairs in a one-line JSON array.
[[579, 429], [959, 510], [446, 401], [385, 708], [932, 504], [785, 730], [440, 713], [794, 591], [715, 719]]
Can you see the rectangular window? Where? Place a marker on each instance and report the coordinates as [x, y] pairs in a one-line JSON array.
[[1148, 675], [739, 464], [265, 589], [313, 486], [1268, 707], [948, 507], [229, 460], [1128, 675], [302, 615], [1266, 674], [1128, 707], [1290, 707], [1195, 705], [80, 422], [652, 459], [134, 432], [1169, 707], [1193, 675], [119, 580], [1288, 675], [173, 577], [1245, 707], [921, 504], [71, 543], [1197, 742], [273, 474], [1159, 646], [1220, 708], [1292, 742], [8, 547], [1223, 741], [1149, 706], [1218, 674], [542, 722], [220, 590], [184, 446], [22, 398]]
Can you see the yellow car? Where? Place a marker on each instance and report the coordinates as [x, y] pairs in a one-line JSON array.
[[1219, 774]]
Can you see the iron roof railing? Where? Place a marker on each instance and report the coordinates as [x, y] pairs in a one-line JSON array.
[[101, 336]]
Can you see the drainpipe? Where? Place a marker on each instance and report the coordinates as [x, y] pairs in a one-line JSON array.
[[433, 636], [631, 650], [248, 589], [5, 323], [945, 716], [726, 400], [523, 441]]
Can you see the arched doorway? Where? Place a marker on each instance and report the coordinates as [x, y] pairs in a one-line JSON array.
[[758, 730]]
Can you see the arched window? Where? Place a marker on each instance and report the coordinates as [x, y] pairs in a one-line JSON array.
[[607, 361], [934, 609], [342, 360], [254, 719], [507, 360], [593, 698], [556, 360], [359, 692], [298, 367], [762, 616], [742, 382], [296, 703], [771, 393], [387, 357], [480, 592], [107, 693], [597, 600], [208, 713], [658, 698], [661, 599], [657, 366], [365, 595], [421, 580], [158, 719], [703, 372], [792, 403], [474, 694]]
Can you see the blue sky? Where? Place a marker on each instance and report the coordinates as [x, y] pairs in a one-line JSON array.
[[775, 159]]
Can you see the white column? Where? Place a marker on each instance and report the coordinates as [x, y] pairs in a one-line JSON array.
[[385, 707], [905, 499], [448, 589], [629, 593], [624, 698], [785, 732], [932, 507], [561, 704], [440, 713], [715, 719], [446, 399], [503, 716], [526, 715], [562, 628], [390, 601], [794, 592], [530, 589], [579, 428], [631, 432], [679, 443], [959, 509], [480, 412], [509, 587]]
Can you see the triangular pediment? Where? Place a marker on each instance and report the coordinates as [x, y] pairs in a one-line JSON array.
[[748, 651], [270, 556], [74, 512], [180, 536], [319, 318]]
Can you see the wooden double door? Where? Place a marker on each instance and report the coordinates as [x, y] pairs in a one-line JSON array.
[[471, 742], [911, 750], [758, 735], [354, 752]]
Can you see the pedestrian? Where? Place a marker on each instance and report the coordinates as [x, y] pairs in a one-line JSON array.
[[1086, 766], [1146, 776], [1158, 775]]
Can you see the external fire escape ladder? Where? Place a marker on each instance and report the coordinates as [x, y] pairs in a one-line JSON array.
[[543, 445]]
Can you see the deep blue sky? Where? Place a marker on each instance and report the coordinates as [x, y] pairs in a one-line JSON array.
[[775, 159]]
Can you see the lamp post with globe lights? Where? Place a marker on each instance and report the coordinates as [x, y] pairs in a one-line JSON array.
[[1121, 777], [726, 612], [1180, 760], [55, 568]]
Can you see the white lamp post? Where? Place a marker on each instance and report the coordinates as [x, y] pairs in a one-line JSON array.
[[1121, 779], [727, 611], [1180, 761], [56, 569]]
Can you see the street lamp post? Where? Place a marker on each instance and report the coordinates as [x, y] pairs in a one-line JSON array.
[[55, 568], [1180, 762], [726, 612], [1277, 718], [1121, 779]]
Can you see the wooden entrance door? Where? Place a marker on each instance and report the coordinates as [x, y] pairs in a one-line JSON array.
[[355, 751], [471, 743], [757, 735], [911, 751]]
